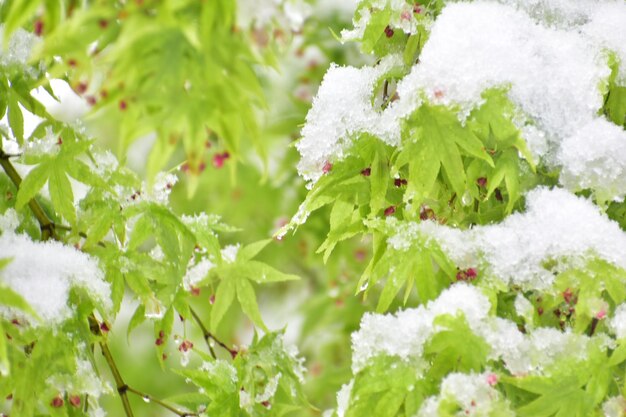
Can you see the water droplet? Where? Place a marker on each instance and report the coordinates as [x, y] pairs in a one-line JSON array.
[[146, 399], [467, 198]]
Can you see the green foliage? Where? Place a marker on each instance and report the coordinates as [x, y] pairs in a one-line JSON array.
[[204, 90], [187, 285], [386, 388], [263, 380]]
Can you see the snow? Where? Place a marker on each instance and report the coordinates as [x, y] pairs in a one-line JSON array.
[[614, 407], [472, 392], [270, 389], [229, 253], [618, 322], [557, 225], [48, 144], [159, 192], [43, 273], [19, 47], [404, 335], [343, 398], [9, 221], [197, 273], [551, 56], [552, 75], [84, 380], [595, 158], [524, 308], [9, 146], [341, 110], [402, 18], [162, 187]]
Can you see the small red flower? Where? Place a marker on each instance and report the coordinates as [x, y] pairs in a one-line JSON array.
[[57, 402], [185, 346], [219, 159], [390, 210], [75, 400], [481, 182], [366, 172], [91, 100], [601, 314], [388, 32], [81, 88], [399, 182], [492, 379], [123, 105], [567, 295], [327, 167], [104, 327], [38, 29], [466, 275], [103, 23], [426, 213]]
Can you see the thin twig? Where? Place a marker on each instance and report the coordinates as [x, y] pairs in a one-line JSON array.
[[121, 386], [47, 226], [48, 230], [594, 324], [208, 335], [150, 398]]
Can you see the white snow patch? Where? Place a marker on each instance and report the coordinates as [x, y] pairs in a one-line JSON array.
[[341, 110], [44, 272], [595, 158], [618, 322], [557, 225], [404, 335]]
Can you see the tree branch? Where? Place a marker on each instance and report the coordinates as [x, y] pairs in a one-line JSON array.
[[48, 230], [149, 398], [47, 226], [120, 385], [208, 335]]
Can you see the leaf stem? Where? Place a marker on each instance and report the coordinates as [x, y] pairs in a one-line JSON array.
[[208, 335], [150, 398], [47, 226]]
